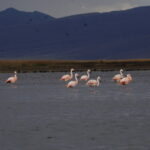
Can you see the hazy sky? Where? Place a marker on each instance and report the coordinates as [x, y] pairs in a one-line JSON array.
[[60, 8]]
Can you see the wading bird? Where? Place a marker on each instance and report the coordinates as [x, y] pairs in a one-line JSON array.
[[126, 80], [118, 77], [86, 77], [73, 83], [67, 76], [93, 82], [12, 79]]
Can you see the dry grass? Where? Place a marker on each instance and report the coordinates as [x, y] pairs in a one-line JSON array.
[[65, 65]]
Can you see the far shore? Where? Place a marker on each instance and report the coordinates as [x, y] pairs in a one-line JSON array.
[[79, 65]]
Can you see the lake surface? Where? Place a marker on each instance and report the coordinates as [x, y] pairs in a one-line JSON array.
[[40, 113]]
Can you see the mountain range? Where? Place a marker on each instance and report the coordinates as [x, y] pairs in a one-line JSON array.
[[111, 35]]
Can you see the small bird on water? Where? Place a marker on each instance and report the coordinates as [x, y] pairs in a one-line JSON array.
[[93, 82], [12, 79], [86, 77], [73, 83], [68, 76]]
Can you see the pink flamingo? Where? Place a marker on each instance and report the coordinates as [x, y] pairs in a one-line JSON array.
[[73, 83], [67, 76], [118, 77], [12, 79], [93, 82], [86, 77], [126, 80]]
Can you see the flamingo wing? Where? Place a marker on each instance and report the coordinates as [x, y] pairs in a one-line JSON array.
[[117, 77], [65, 77], [71, 84], [84, 77], [11, 80], [92, 82], [124, 81]]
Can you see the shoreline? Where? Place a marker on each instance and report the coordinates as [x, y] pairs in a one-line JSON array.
[[65, 65]]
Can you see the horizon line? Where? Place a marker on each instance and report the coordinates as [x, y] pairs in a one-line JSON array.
[[103, 12]]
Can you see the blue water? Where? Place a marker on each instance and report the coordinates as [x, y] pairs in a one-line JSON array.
[[40, 113]]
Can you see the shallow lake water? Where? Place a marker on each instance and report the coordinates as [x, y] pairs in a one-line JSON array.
[[40, 113]]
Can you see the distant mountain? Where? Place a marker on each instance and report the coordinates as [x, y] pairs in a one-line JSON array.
[[112, 35], [13, 17]]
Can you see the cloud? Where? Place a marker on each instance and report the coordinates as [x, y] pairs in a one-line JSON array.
[[60, 8], [117, 6]]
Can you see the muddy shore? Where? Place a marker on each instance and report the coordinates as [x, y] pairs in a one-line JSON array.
[[79, 65]]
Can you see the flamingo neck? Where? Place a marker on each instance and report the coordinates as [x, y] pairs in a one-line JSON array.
[[76, 78], [121, 72], [71, 73], [88, 74], [15, 75], [97, 81]]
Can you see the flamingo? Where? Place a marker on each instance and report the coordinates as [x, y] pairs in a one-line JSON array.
[[12, 79], [93, 82], [118, 77], [73, 83], [126, 80], [86, 77], [67, 76]]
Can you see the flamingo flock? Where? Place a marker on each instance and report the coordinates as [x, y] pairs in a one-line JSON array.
[[120, 79], [73, 83]]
